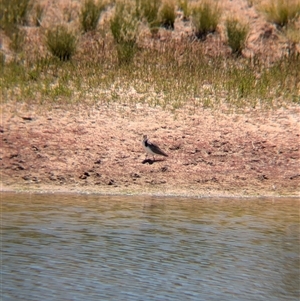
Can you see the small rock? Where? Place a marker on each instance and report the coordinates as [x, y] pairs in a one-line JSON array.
[[53, 178], [135, 175], [175, 147], [263, 177], [60, 178], [18, 167]]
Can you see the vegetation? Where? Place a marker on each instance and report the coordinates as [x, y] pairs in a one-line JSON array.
[[39, 11], [205, 17], [61, 42], [90, 14], [157, 78], [13, 14], [167, 14], [236, 34], [281, 12], [124, 26], [118, 67], [149, 11], [185, 8]]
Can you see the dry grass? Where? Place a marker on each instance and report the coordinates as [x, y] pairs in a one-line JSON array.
[[205, 18], [236, 34], [281, 12], [172, 71]]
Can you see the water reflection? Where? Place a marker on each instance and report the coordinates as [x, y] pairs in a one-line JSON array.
[[108, 248]]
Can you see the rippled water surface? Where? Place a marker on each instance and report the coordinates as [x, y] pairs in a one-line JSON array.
[[57, 247]]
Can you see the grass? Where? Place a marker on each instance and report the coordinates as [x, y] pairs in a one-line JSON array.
[[115, 68], [13, 14], [167, 14], [236, 34], [281, 12], [155, 78], [205, 18], [90, 14], [38, 14], [124, 26], [61, 42], [185, 8], [148, 9]]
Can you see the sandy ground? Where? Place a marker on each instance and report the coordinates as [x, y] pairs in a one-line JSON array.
[[98, 150]]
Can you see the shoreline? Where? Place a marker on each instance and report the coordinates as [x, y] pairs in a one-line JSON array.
[[107, 193], [98, 150]]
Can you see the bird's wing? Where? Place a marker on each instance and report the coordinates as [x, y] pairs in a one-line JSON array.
[[156, 149]]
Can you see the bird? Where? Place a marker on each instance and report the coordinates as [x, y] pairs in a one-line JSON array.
[[152, 148]]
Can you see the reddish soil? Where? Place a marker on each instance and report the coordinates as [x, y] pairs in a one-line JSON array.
[[99, 150]]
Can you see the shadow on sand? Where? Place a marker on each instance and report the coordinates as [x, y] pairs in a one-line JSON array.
[[151, 161]]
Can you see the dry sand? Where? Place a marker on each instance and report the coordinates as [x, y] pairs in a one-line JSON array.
[[98, 150]]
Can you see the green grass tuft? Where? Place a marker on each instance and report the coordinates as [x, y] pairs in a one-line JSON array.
[[281, 12], [236, 34], [185, 8], [167, 14], [61, 42], [148, 10], [90, 14], [14, 12], [38, 14], [124, 28], [205, 18]]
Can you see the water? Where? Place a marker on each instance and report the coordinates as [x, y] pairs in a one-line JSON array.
[[64, 247]]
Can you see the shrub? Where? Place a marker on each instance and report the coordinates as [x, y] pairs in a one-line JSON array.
[[17, 40], [167, 14], [236, 34], [205, 18], [14, 12], [293, 34], [126, 52], [61, 42], [124, 25], [149, 10], [90, 14], [38, 14], [281, 12], [184, 7]]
